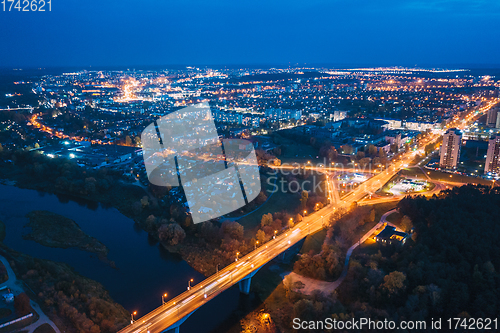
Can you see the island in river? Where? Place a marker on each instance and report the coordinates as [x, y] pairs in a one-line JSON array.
[[54, 230]]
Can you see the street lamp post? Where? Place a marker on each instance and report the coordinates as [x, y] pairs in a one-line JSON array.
[[237, 254], [189, 284], [163, 298], [275, 232], [132, 317], [217, 269], [256, 243]]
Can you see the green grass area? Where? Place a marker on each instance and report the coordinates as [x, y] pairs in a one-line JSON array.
[[367, 248], [268, 278], [17, 327], [5, 312], [299, 153], [454, 178], [279, 201], [313, 242], [382, 208], [412, 172], [45, 328], [394, 218]]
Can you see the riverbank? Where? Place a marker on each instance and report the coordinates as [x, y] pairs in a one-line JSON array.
[[74, 303]]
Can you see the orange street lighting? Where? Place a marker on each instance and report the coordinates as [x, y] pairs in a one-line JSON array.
[[163, 298], [189, 284], [132, 316]]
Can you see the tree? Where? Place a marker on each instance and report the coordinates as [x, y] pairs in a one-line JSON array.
[[382, 154], [137, 141], [171, 233], [347, 149], [364, 161], [1, 148], [304, 198], [90, 185], [22, 304], [267, 219], [394, 282], [128, 141], [261, 198], [261, 236], [151, 222], [371, 217], [406, 224], [394, 148], [232, 229], [372, 150]]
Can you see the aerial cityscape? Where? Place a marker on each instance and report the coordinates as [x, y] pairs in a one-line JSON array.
[[229, 182]]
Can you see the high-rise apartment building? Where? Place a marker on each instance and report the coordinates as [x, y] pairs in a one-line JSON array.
[[491, 119], [492, 156], [450, 150]]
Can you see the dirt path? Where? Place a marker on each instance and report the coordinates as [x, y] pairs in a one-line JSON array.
[[328, 287], [16, 287]]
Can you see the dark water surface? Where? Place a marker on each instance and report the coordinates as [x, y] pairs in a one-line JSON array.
[[144, 269]]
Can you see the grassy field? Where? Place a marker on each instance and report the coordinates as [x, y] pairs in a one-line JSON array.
[[394, 218], [300, 153], [279, 201], [412, 172], [5, 312], [313, 242], [453, 178]]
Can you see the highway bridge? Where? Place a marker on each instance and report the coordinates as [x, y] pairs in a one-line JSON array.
[[173, 313]]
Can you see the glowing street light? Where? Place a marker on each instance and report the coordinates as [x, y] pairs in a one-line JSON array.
[[132, 317], [275, 232], [189, 284], [163, 298], [237, 254]]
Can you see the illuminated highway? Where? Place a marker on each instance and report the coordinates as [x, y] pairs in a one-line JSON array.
[[184, 304]]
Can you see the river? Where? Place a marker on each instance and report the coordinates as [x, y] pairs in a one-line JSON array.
[[145, 271]]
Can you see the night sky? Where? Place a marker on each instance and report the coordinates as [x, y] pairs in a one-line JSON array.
[[232, 32]]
